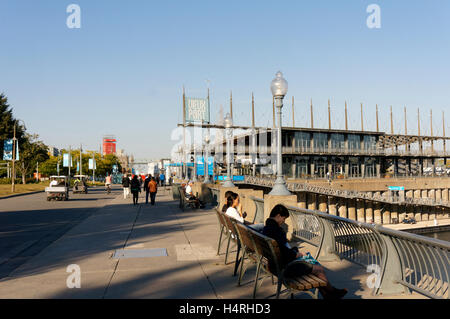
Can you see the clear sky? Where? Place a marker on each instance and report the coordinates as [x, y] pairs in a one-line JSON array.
[[123, 71]]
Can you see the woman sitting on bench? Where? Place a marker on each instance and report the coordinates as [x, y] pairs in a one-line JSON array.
[[273, 230], [233, 208]]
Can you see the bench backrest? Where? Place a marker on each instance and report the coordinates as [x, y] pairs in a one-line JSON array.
[[230, 225], [267, 248], [245, 236], [221, 219]]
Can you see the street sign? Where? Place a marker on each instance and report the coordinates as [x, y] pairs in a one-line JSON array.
[[197, 110], [396, 188]]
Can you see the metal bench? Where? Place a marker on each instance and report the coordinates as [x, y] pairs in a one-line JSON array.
[[184, 202], [234, 235], [248, 249], [269, 261]]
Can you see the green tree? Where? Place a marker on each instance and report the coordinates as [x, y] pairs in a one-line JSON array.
[[31, 151], [50, 166], [7, 121]]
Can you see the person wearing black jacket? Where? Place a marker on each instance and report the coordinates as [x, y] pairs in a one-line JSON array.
[[135, 189], [273, 229], [126, 186], [147, 192]]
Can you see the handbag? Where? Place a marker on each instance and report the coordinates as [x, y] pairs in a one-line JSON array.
[[309, 259]]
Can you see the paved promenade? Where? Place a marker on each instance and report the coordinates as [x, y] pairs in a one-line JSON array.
[[191, 268]]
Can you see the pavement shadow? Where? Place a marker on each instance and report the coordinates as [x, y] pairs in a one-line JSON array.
[[83, 243]]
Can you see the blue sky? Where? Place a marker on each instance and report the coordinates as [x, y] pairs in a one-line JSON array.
[[122, 73]]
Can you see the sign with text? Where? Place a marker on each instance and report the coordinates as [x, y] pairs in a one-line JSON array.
[[201, 165], [197, 110]]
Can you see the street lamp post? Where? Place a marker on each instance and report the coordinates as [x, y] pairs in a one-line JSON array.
[[206, 162], [229, 135], [14, 155], [194, 179], [279, 87], [254, 152], [180, 158], [13, 173]]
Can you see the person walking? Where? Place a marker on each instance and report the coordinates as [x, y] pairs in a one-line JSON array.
[[135, 189], [153, 189], [147, 180], [162, 179], [108, 181], [126, 186]]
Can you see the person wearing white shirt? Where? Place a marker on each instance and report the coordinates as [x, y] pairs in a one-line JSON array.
[[234, 206], [188, 190]]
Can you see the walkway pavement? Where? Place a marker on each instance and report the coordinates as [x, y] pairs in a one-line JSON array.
[[191, 268]]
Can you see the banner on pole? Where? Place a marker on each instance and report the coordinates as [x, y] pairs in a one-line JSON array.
[[92, 164], [8, 150], [201, 165], [66, 160]]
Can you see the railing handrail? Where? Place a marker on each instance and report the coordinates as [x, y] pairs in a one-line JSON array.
[[296, 187], [382, 230], [387, 248]]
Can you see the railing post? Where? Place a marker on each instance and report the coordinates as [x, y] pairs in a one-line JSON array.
[[391, 272], [327, 251]]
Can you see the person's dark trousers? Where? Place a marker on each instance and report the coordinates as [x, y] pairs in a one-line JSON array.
[[153, 197], [135, 198], [146, 196]]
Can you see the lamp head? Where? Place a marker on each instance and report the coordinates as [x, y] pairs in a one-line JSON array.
[[228, 121], [279, 85]]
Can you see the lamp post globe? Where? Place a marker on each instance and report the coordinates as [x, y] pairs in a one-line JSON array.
[[229, 133], [279, 85], [279, 88]]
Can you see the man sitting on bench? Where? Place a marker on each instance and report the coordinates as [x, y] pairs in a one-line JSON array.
[[190, 196], [273, 230]]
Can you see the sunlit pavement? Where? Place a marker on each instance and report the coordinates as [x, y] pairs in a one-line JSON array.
[[190, 269]]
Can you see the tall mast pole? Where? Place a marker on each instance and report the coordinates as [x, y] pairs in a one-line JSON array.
[[293, 114], [346, 121], [392, 123], [329, 115], [362, 118], [253, 110], [378, 126]]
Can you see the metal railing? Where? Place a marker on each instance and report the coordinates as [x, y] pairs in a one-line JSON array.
[[305, 187], [401, 261], [259, 212], [215, 192]]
